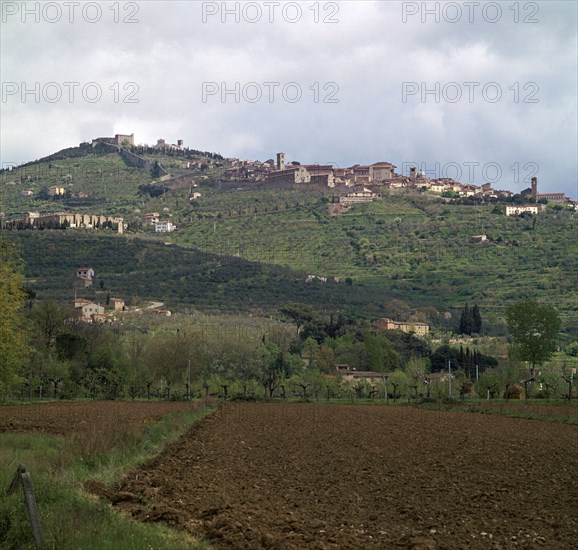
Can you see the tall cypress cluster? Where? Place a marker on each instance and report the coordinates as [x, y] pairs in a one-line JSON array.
[[471, 320]]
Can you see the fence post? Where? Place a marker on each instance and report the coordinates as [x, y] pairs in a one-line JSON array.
[[23, 477]]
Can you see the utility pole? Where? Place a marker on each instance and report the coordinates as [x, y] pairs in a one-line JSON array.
[[385, 387], [450, 378], [189, 383]]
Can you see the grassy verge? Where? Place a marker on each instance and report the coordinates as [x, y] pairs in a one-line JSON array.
[[70, 517], [553, 411]]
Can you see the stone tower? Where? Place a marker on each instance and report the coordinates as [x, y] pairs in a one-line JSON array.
[[280, 161], [534, 187]]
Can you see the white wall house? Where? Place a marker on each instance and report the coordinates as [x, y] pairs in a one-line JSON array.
[[517, 210], [164, 227]]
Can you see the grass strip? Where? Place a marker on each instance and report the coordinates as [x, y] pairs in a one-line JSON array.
[[70, 517]]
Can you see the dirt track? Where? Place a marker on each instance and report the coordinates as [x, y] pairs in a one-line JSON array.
[[348, 476]]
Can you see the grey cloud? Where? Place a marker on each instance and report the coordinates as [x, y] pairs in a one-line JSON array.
[[170, 53]]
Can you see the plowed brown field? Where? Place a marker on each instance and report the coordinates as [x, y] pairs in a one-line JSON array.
[[64, 418], [352, 476], [94, 426]]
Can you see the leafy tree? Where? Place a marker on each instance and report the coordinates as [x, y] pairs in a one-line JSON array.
[[48, 319], [57, 373], [399, 309], [534, 328], [441, 356], [416, 369], [382, 355], [408, 345], [324, 358], [484, 361], [316, 329], [168, 355], [13, 346], [30, 296], [350, 351], [308, 350], [398, 384], [72, 348], [69, 346], [572, 349], [308, 382], [338, 327], [299, 313], [109, 368], [275, 370], [495, 380]]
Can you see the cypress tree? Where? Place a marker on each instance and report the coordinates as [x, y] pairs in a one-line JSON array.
[[477, 360], [476, 320], [468, 368], [466, 321]]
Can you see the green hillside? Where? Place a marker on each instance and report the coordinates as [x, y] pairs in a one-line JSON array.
[[411, 248], [110, 184], [137, 269]]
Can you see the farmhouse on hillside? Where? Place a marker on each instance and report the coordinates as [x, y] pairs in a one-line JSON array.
[[350, 376], [86, 311], [165, 227], [517, 210], [84, 277], [420, 329]]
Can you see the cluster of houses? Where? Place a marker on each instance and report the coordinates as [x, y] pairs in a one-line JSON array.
[[363, 183], [161, 226], [371, 380], [67, 219], [55, 191], [358, 183], [89, 311], [281, 174]]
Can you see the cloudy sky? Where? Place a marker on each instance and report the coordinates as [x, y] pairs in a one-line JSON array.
[[477, 91]]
